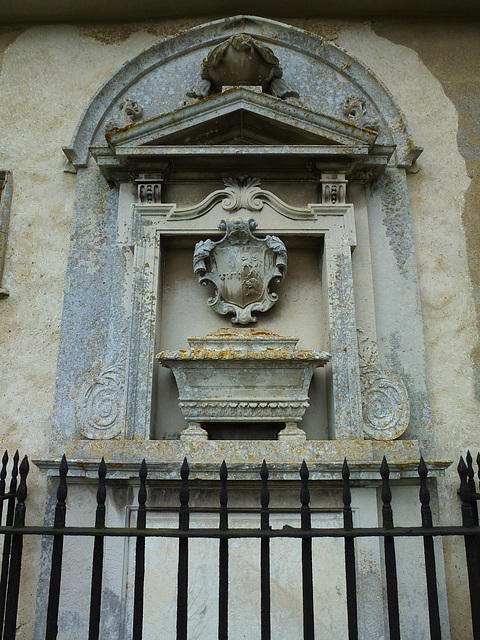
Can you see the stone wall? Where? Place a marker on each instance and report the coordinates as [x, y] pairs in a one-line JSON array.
[[47, 76]]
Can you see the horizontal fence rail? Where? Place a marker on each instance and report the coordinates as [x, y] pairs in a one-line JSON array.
[[14, 531]]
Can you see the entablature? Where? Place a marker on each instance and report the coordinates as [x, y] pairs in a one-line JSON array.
[[360, 164]]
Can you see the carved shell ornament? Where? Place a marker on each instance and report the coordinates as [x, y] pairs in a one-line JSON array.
[[240, 267], [242, 61]]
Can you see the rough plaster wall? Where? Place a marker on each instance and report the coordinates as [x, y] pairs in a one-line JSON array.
[[47, 75], [440, 194], [450, 52]]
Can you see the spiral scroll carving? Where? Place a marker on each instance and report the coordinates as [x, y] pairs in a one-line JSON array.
[[386, 407], [100, 407]]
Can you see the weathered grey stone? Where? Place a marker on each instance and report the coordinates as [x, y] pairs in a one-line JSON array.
[[242, 61], [240, 267], [6, 187], [243, 375]]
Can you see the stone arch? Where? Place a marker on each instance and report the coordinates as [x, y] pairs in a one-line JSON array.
[[151, 63]]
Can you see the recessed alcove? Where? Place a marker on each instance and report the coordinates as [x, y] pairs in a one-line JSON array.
[[183, 311]]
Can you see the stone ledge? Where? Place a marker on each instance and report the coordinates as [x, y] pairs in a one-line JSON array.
[[243, 458]]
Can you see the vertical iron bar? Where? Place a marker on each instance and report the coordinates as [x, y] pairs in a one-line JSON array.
[[478, 466], [57, 551], [7, 541], [265, 556], [6, 557], [307, 568], [471, 485], [140, 556], [97, 563], [223, 558], [350, 575], [182, 582], [3, 475], [477, 538], [11, 608], [390, 559], [471, 549], [429, 551]]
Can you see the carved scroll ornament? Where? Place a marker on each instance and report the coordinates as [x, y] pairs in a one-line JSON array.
[[242, 193], [385, 402], [241, 267], [99, 407]]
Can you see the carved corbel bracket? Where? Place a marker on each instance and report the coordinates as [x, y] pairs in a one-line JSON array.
[[149, 188], [334, 188]]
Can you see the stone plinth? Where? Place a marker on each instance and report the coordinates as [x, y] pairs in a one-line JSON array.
[[244, 459], [243, 375]]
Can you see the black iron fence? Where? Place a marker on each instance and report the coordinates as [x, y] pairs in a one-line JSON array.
[[15, 529]]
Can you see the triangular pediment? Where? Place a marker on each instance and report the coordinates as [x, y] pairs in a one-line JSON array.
[[241, 116]]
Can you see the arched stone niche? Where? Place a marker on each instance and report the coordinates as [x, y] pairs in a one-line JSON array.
[[151, 148]]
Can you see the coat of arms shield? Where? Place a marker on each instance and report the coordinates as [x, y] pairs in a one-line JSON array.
[[241, 267]]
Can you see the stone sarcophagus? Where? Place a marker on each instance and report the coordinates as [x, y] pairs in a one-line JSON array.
[[243, 375]]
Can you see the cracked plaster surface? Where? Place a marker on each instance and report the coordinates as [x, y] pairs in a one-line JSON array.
[[437, 199]]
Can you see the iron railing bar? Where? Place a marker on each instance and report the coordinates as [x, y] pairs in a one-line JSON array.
[[471, 486], [6, 496], [471, 549], [429, 554], [390, 558], [3, 475], [307, 566], [223, 558], [182, 581], [11, 607], [97, 562], [290, 532], [57, 553], [8, 540], [254, 510], [137, 631], [350, 568], [265, 604]]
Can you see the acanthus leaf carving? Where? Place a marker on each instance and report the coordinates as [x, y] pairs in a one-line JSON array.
[[355, 109], [241, 194]]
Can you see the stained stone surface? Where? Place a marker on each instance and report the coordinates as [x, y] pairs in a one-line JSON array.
[[243, 375]]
